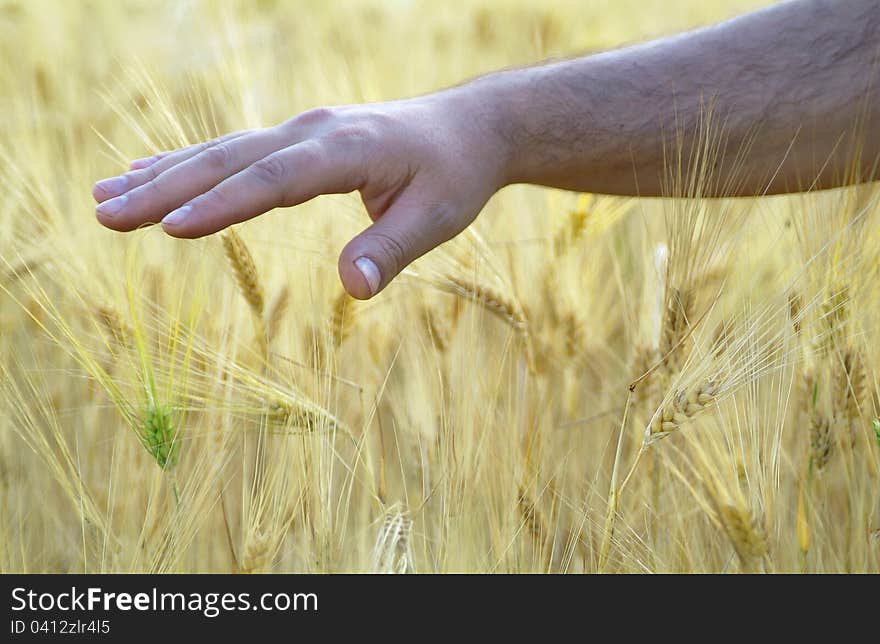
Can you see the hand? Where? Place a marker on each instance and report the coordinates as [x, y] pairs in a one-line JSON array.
[[424, 167]]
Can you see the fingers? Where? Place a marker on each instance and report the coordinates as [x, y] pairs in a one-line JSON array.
[[404, 233], [150, 202], [147, 169], [140, 164], [329, 165]]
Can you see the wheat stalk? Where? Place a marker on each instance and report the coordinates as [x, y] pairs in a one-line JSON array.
[[655, 368], [644, 369]]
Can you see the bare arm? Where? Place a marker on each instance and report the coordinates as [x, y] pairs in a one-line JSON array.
[[790, 85], [789, 88]]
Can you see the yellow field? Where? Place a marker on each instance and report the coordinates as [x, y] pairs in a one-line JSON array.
[[477, 414]]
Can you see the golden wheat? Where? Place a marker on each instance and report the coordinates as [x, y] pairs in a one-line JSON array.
[[277, 311], [257, 553], [744, 531], [137, 435], [684, 405], [392, 552], [504, 308], [242, 263]]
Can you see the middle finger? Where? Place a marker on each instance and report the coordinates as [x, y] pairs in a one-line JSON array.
[[175, 186]]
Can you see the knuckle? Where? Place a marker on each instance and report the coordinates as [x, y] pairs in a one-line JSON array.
[[146, 195], [359, 140], [270, 170], [310, 154], [212, 199], [151, 190], [210, 143], [358, 134], [393, 247], [218, 156], [311, 118], [199, 148], [136, 178], [235, 135], [150, 173]]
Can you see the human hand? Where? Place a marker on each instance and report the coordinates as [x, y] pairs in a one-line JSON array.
[[424, 167]]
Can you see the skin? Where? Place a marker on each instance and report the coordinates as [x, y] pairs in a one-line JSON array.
[[790, 85]]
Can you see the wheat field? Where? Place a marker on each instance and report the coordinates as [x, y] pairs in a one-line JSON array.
[[577, 383]]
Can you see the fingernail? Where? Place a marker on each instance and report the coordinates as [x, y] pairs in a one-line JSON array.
[[146, 162], [370, 271], [113, 185], [113, 206], [176, 217]]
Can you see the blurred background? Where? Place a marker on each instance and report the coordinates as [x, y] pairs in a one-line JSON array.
[[424, 430]]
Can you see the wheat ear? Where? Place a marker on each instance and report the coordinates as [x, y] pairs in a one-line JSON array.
[[114, 324], [441, 334], [277, 311], [257, 555], [676, 316], [851, 391], [504, 308], [536, 523], [574, 227], [341, 319], [685, 404], [10, 272], [744, 532], [393, 550], [158, 435], [296, 415], [802, 522], [242, 263]]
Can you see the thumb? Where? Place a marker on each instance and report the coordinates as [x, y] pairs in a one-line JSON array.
[[400, 236]]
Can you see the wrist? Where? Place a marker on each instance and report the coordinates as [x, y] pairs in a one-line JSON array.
[[483, 114], [526, 115]]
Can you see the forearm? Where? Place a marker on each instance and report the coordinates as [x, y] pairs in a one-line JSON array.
[[789, 87]]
